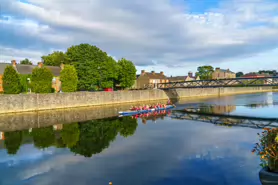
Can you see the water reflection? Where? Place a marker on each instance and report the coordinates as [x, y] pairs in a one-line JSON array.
[[83, 138]]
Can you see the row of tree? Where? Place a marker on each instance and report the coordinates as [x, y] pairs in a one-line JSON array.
[[86, 138], [95, 69], [40, 81]]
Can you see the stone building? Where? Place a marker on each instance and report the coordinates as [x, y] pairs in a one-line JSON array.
[[27, 69], [190, 77], [146, 78], [223, 74]]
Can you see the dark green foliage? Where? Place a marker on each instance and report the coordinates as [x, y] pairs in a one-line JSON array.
[[127, 73], [11, 81], [95, 136], [205, 72], [94, 67], [26, 61], [41, 80], [70, 134], [88, 75], [128, 126], [85, 52], [13, 141], [43, 137], [69, 79], [54, 59], [108, 73], [24, 82], [239, 74]]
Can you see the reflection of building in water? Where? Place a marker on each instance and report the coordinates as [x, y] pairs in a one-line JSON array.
[[269, 98], [58, 127], [220, 109], [2, 135], [217, 109]]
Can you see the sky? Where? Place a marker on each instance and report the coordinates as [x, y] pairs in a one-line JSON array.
[[174, 36]]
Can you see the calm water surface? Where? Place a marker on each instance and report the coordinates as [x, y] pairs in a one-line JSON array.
[[157, 150]]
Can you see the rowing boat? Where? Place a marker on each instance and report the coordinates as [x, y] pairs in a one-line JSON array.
[[134, 112]]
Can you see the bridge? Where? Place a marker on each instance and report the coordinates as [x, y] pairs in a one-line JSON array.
[[226, 120], [231, 82]]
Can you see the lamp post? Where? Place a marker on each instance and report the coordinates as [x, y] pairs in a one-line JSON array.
[[28, 82]]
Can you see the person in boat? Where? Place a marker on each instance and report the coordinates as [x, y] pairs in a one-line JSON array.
[[169, 102]]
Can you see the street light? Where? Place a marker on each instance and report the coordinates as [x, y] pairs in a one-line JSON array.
[[28, 82]]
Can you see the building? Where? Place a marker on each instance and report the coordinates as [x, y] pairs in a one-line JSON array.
[[254, 75], [146, 78], [27, 69], [190, 77], [223, 74]]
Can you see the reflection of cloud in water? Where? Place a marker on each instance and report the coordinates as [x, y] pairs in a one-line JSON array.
[[173, 150], [27, 153]]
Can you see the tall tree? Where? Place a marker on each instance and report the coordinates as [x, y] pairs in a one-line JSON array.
[[239, 74], [205, 72], [108, 73], [13, 141], [69, 79], [26, 61], [89, 62], [41, 80], [127, 73], [11, 81], [54, 59]]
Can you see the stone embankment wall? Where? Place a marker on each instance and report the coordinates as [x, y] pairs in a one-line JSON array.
[[35, 102]]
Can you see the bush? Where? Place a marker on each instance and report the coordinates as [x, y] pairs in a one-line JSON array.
[[24, 82], [69, 79], [41, 80], [11, 81]]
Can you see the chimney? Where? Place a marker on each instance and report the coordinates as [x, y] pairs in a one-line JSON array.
[[14, 63], [40, 64], [162, 73], [228, 70], [190, 74], [217, 69], [153, 72], [62, 66], [142, 72]]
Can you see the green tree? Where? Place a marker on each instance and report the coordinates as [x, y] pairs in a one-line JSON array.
[[108, 73], [70, 134], [13, 141], [95, 136], [85, 52], [90, 63], [11, 81], [24, 81], [26, 61], [127, 73], [239, 74], [128, 126], [41, 80], [205, 72], [43, 137], [69, 79], [54, 59]]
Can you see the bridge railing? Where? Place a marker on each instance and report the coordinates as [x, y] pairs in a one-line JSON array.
[[231, 82]]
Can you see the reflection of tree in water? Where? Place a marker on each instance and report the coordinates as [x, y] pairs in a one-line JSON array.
[[128, 126], [87, 138], [95, 136], [43, 137], [13, 141], [70, 134]]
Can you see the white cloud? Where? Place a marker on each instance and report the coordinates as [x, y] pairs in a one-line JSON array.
[[148, 30]]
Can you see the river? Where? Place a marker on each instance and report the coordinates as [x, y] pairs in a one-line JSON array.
[[157, 150]]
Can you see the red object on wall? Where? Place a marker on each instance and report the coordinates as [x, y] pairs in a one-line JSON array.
[[108, 89]]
